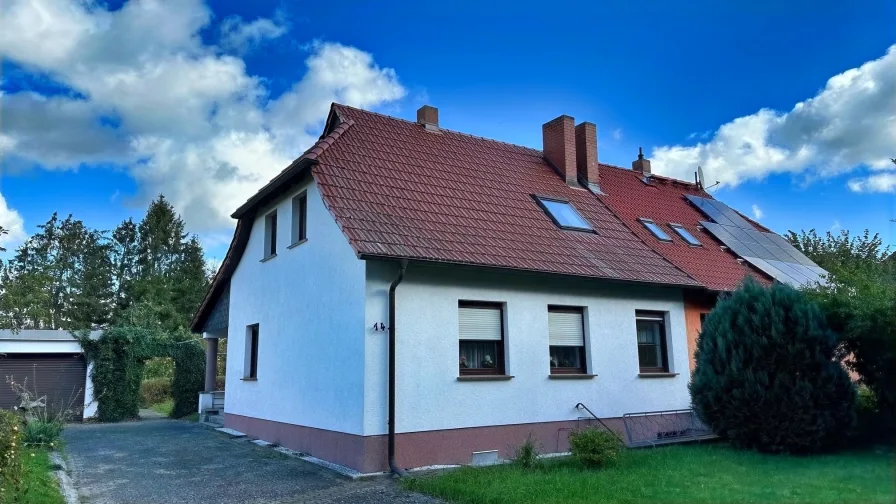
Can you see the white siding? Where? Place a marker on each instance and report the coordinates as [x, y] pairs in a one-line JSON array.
[[429, 396], [308, 302]]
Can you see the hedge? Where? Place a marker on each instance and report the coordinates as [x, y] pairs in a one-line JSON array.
[[119, 356], [155, 391]]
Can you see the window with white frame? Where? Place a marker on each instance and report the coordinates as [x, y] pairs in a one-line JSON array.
[[299, 218], [250, 367], [270, 235], [481, 338], [566, 335], [653, 355]]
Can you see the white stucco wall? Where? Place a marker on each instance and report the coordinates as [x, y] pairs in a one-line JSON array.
[[429, 396], [309, 304]]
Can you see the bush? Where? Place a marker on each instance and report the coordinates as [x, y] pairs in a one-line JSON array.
[[766, 376], [10, 456], [595, 447], [526, 455], [155, 391], [37, 432], [118, 357], [219, 382], [189, 377], [872, 424], [159, 367]]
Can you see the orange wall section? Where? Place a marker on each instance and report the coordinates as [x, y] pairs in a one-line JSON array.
[[695, 304]]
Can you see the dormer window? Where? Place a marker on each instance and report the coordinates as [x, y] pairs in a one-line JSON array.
[[563, 214], [655, 230], [685, 235]]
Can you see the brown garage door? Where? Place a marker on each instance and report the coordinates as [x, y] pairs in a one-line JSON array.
[[60, 377]]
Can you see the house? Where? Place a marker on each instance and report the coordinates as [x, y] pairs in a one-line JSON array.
[[403, 295], [49, 363]]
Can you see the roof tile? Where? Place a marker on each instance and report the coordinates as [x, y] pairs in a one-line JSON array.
[[400, 191]]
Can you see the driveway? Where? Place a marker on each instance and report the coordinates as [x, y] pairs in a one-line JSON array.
[[170, 461]]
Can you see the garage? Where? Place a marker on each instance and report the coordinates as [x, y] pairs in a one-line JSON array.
[[49, 363], [59, 377]]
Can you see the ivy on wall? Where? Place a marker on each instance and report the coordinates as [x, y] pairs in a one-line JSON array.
[[119, 357]]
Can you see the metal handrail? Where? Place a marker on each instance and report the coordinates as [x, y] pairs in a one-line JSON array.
[[582, 406]]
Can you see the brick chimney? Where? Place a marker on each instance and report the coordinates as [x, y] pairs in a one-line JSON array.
[[641, 164], [586, 153], [428, 117], [559, 139]]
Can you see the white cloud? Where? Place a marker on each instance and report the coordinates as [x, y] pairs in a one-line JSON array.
[[240, 36], [617, 134], [12, 222], [851, 123], [879, 182], [757, 212], [836, 226], [185, 118]]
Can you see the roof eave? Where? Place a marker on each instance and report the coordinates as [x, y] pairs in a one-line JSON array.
[[693, 285]]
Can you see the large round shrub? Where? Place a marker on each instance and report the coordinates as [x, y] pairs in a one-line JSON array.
[[766, 376]]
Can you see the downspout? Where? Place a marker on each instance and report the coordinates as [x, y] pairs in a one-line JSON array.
[[395, 469]]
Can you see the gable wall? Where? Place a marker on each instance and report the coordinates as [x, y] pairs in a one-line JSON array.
[[309, 304]]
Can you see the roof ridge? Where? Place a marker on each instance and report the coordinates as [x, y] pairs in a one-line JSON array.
[[461, 133], [502, 142]]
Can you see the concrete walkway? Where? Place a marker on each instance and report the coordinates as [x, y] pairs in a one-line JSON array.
[[171, 461]]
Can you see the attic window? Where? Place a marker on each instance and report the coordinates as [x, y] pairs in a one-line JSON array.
[[655, 230], [563, 214], [686, 235]]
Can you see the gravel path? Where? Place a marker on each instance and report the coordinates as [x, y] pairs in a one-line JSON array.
[[170, 462]]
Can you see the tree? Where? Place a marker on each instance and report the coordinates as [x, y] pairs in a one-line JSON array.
[[124, 265], [67, 276], [765, 374], [170, 267], [60, 278], [859, 300]]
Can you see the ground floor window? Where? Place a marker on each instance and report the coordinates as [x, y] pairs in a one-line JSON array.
[[481, 338], [566, 336], [652, 352]]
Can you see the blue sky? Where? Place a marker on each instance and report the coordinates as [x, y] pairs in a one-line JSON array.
[[205, 102]]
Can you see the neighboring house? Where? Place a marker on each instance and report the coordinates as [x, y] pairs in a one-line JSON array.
[[512, 281], [49, 363]]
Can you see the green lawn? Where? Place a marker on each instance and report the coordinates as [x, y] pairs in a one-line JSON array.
[[163, 408], [40, 485], [680, 474]]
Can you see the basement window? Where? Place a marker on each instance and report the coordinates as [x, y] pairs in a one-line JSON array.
[[655, 230], [685, 235], [563, 214]]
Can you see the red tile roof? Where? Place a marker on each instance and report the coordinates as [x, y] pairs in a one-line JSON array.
[[400, 191], [664, 202]]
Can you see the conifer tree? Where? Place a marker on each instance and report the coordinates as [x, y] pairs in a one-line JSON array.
[[766, 376]]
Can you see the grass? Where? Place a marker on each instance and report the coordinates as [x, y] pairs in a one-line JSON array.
[[40, 484], [163, 407], [677, 474]]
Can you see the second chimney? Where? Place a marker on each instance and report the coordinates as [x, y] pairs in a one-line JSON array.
[[586, 154], [641, 164], [428, 117], [559, 139]]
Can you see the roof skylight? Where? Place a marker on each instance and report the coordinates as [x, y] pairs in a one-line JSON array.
[[563, 214], [686, 235], [655, 230]]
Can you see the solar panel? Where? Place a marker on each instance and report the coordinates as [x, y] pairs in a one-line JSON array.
[[768, 252]]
